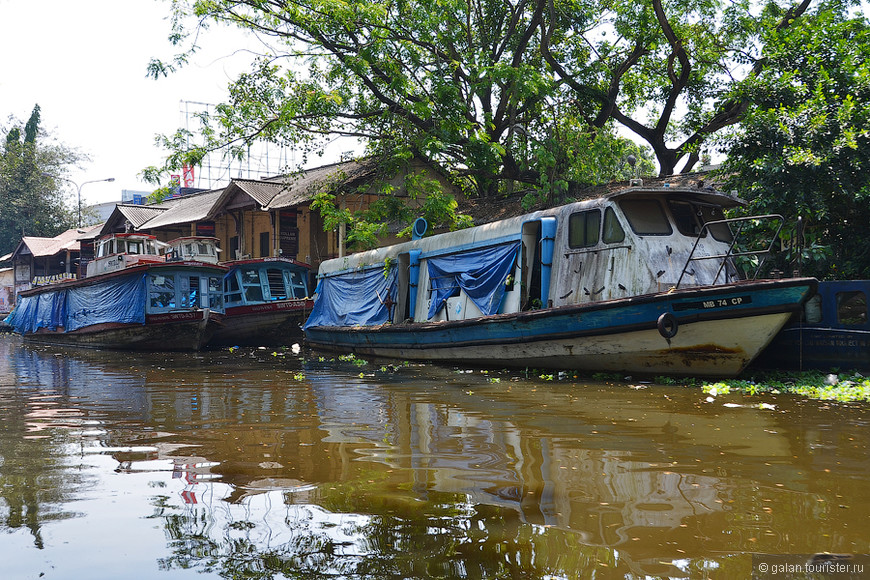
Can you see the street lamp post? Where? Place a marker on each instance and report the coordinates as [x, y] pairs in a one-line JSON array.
[[79, 220]]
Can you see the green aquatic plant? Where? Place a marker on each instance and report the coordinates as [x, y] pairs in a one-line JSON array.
[[842, 387]]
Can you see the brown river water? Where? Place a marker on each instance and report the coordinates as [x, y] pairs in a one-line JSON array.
[[260, 464]]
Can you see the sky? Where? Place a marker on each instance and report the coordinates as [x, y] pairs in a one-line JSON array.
[[85, 64]]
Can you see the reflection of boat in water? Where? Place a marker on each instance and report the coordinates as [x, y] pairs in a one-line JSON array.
[[832, 331], [266, 302], [642, 280], [133, 297]]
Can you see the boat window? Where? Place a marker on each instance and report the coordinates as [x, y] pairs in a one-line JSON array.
[[613, 232], [204, 249], [215, 299], [646, 217], [712, 213], [276, 284], [231, 288], [851, 307], [296, 283], [190, 296], [687, 222], [583, 228], [161, 291], [251, 285], [813, 310], [134, 247]]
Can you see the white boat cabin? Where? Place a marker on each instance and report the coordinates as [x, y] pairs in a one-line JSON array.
[[119, 251], [193, 248], [633, 242]]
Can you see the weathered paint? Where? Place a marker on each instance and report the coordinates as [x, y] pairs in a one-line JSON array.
[[598, 305]]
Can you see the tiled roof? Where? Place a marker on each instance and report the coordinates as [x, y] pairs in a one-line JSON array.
[[138, 215], [185, 209], [303, 186], [68, 240]]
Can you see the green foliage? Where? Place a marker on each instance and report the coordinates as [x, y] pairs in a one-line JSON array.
[[804, 145], [843, 387], [365, 228], [504, 95], [32, 168]]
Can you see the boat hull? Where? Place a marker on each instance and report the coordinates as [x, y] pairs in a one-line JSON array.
[[174, 331], [269, 324], [833, 333], [719, 331]]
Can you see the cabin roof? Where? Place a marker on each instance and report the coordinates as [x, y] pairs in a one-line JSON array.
[[489, 210]]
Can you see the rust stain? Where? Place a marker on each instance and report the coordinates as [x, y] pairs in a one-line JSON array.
[[705, 349]]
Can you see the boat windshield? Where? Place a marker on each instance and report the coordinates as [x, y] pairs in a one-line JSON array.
[[646, 217], [690, 218]]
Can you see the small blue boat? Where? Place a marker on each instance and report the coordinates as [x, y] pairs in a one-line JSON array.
[[832, 332], [646, 280], [266, 302]]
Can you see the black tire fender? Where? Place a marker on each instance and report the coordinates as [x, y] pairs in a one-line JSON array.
[[667, 325]]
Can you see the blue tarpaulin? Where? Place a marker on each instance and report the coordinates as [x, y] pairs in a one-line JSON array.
[[119, 299], [51, 310], [480, 273], [355, 298]]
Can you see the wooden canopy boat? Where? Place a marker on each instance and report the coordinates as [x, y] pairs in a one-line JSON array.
[[266, 302], [132, 298]]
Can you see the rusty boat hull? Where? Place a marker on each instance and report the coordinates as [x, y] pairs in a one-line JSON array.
[[706, 332]]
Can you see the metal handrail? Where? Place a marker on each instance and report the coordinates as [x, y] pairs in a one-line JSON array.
[[734, 239]]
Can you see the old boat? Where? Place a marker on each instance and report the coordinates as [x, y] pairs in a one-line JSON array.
[[132, 298], [643, 280], [266, 302], [831, 332]]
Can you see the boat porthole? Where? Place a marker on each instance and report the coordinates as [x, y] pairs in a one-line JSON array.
[[667, 325]]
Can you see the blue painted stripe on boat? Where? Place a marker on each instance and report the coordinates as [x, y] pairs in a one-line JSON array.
[[591, 319]]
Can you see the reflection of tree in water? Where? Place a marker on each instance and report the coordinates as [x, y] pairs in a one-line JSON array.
[[401, 536], [35, 475]]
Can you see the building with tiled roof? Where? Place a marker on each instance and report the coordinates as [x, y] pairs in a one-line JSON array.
[[267, 217]]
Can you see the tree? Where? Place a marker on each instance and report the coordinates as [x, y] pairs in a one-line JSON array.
[[460, 83], [32, 202], [804, 144]]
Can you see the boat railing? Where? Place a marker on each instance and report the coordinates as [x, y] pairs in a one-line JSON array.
[[734, 248]]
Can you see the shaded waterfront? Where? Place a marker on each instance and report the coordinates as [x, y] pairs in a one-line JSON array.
[[263, 465]]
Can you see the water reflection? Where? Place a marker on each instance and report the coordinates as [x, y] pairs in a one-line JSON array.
[[258, 465]]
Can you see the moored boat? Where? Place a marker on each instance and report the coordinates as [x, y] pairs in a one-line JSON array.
[[132, 298], [644, 280], [266, 302], [831, 332]]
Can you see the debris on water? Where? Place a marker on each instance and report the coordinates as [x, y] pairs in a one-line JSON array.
[[832, 380]]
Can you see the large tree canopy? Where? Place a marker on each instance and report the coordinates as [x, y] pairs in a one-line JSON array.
[[461, 83], [30, 197], [804, 145], [490, 88]]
